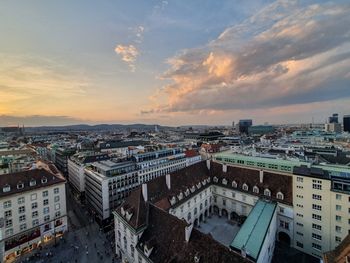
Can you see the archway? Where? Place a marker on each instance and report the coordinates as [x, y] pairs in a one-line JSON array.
[[196, 222], [224, 213], [201, 218], [216, 210], [284, 238], [234, 216]]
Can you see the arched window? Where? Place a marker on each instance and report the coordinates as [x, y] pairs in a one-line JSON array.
[[125, 243], [234, 184], [267, 192], [132, 249], [195, 211], [206, 203], [245, 187], [280, 196], [189, 216], [256, 189], [201, 207]]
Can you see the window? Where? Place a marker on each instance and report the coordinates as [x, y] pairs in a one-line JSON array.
[[245, 187], [223, 202], [300, 234], [300, 196], [189, 216], [23, 227], [35, 214], [233, 195], [337, 239], [338, 229], [300, 179], [35, 222], [8, 213], [300, 224], [58, 214], [20, 200], [57, 198], [299, 205], [33, 197], [299, 244], [317, 184], [57, 206], [256, 189], [284, 224], [21, 209], [338, 207], [32, 182], [8, 223], [45, 193], [316, 246], [316, 207], [316, 236], [46, 210], [47, 218], [9, 232], [338, 196], [215, 199], [22, 218], [43, 180], [316, 197], [299, 215], [56, 190], [45, 201], [195, 211], [317, 227], [132, 249], [34, 205], [281, 210], [7, 204], [317, 217], [338, 218]]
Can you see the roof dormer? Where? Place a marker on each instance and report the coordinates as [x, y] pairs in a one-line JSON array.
[[234, 184], [215, 179], [280, 195], [43, 180], [173, 200], [267, 192], [32, 182], [224, 181], [255, 189], [245, 187], [6, 188]]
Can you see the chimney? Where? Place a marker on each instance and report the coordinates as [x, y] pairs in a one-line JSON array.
[[144, 192], [261, 176], [167, 180], [224, 167], [188, 231], [208, 164]]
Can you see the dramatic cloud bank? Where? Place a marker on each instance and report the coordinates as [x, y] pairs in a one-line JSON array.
[[284, 55], [129, 53]]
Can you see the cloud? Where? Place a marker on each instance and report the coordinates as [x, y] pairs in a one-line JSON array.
[[284, 55], [128, 54]]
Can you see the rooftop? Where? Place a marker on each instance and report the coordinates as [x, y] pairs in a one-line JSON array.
[[252, 234]]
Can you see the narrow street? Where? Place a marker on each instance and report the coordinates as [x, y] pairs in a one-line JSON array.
[[84, 242]]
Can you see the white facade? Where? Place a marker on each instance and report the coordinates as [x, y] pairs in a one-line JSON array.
[[76, 175]]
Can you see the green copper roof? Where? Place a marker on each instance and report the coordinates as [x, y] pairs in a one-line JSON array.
[[252, 234]]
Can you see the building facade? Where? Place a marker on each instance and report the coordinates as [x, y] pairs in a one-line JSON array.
[[33, 210]]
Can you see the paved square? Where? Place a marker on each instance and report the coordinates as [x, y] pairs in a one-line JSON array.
[[221, 229]]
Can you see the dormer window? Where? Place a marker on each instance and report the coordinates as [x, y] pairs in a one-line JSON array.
[[256, 189], [224, 181], [44, 180], [32, 182], [267, 192], [234, 184], [215, 179], [280, 196], [6, 188], [20, 185], [245, 187]]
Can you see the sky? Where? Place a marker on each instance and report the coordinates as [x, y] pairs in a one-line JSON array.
[[173, 62]]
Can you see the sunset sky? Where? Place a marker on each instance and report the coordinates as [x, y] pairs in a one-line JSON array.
[[173, 62]]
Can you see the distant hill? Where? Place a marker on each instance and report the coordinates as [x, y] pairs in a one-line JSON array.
[[99, 127]]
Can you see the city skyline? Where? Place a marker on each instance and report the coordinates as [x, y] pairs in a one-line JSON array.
[[173, 63]]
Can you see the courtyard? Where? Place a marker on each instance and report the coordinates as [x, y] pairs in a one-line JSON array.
[[221, 229]]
